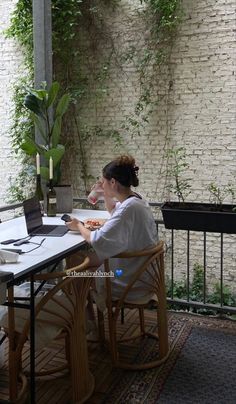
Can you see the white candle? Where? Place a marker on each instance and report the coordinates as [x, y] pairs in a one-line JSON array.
[[37, 163], [50, 168]]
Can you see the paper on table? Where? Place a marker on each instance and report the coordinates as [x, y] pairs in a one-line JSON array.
[[8, 256]]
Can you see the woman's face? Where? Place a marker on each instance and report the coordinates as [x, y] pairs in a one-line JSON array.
[[108, 187]]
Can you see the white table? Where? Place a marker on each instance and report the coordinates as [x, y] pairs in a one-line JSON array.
[[53, 250]]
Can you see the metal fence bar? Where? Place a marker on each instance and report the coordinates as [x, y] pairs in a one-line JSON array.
[[204, 267], [172, 264], [188, 259], [11, 207], [201, 305], [221, 271]]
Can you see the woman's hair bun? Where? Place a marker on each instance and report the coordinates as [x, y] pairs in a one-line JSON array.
[[122, 169], [126, 160]]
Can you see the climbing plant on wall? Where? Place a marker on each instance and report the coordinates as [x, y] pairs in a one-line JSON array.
[[162, 18], [151, 54], [21, 29]]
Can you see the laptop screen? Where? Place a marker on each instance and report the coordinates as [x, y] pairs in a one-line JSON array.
[[32, 213]]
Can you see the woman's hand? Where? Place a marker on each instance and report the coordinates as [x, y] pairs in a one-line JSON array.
[[73, 224], [76, 225], [98, 187]]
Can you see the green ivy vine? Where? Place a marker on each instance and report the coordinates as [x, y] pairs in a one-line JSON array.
[[21, 29], [162, 20]]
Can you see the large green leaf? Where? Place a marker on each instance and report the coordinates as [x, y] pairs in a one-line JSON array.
[[33, 104], [62, 105], [52, 93], [40, 127], [44, 171], [30, 147], [56, 131], [40, 94], [57, 174], [56, 154]]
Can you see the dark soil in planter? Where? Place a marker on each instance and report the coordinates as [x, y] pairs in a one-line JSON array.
[[206, 207], [199, 217]]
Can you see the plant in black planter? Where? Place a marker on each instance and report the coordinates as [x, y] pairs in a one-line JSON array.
[[209, 217], [179, 184], [218, 195]]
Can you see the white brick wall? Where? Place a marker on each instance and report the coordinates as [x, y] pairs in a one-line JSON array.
[[10, 65], [201, 110], [199, 113]]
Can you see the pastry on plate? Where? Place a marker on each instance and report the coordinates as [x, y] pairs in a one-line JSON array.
[[93, 224]]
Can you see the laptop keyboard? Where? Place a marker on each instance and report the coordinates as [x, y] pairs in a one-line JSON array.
[[46, 229]]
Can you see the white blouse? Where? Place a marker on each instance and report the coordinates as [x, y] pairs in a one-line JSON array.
[[130, 228]]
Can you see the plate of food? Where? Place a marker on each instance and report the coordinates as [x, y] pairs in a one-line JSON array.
[[93, 223]]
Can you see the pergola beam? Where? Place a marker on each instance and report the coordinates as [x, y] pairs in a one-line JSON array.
[[42, 37]]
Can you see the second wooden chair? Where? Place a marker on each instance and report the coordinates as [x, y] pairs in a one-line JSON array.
[[151, 274]]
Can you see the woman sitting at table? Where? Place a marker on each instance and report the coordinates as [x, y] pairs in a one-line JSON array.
[[131, 227]]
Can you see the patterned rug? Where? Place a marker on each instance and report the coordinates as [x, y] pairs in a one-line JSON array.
[[201, 367]]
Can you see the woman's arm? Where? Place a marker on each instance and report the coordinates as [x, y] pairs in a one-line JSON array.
[[109, 203], [76, 225]]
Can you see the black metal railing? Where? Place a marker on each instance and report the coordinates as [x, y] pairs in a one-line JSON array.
[[173, 256], [171, 252], [220, 306]]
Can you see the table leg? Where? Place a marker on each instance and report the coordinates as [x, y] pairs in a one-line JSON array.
[[32, 341], [13, 372]]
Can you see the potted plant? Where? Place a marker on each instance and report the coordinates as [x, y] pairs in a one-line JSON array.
[[181, 215], [46, 111]]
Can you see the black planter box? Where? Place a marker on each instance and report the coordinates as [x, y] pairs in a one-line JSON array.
[[199, 217]]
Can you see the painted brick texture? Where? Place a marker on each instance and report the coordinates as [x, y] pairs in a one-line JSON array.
[[196, 108], [10, 69]]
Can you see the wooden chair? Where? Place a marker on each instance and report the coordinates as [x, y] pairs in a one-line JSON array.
[[154, 267], [63, 308]]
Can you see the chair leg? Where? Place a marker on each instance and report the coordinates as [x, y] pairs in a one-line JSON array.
[[101, 327], [122, 315], [67, 349], [113, 344], [141, 321], [163, 330], [162, 316], [112, 337], [13, 376]]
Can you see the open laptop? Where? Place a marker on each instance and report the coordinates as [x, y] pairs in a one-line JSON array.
[[34, 221]]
